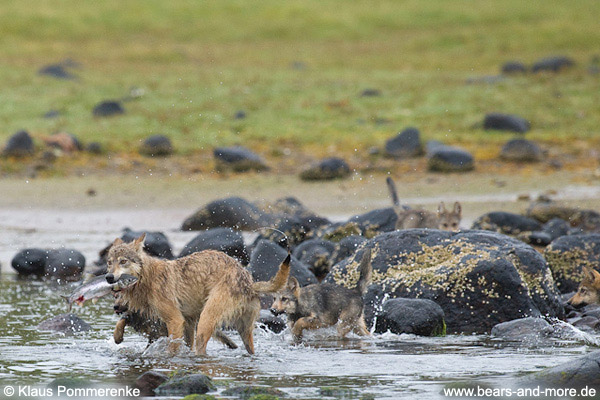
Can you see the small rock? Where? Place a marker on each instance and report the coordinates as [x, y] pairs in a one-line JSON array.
[[327, 169], [523, 328], [370, 93], [241, 114], [553, 64], [505, 122], [149, 381], [156, 146], [30, 261], [316, 253], [513, 67], [108, 108], [581, 372], [521, 150], [65, 323], [58, 71], [238, 159], [19, 145], [506, 223], [406, 144], [567, 255], [556, 228], [184, 385], [417, 316], [266, 258], [65, 264], [231, 212], [156, 243], [587, 323], [52, 114], [271, 322], [254, 392], [450, 159], [223, 239], [94, 148], [63, 141]]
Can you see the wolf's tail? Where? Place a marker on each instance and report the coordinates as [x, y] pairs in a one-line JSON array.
[[393, 192], [278, 282], [365, 270]]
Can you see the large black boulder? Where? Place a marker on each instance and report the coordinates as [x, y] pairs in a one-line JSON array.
[[553, 64], [417, 316], [347, 247], [479, 278], [19, 145], [567, 256], [266, 258], [507, 223], [231, 212], [239, 159], [317, 254], [108, 109], [156, 243], [64, 323], [406, 144], [375, 221], [30, 261], [327, 169], [223, 239], [505, 122], [449, 159], [65, 264]]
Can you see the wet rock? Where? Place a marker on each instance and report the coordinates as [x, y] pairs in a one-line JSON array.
[[507, 223], [316, 253], [370, 92], [586, 220], [108, 109], [505, 122], [184, 385], [94, 148], [295, 230], [556, 228], [340, 393], [63, 141], [69, 383], [450, 159], [553, 64], [290, 208], [65, 323], [587, 323], [241, 114], [347, 247], [523, 329], [156, 243], [149, 381], [580, 372], [58, 71], [30, 261], [406, 144], [266, 258], [19, 145], [238, 159], [417, 316], [271, 322], [513, 67], [253, 392], [327, 169], [521, 150], [375, 222], [231, 212], [223, 239], [156, 146], [537, 238], [479, 278], [65, 264], [567, 256]]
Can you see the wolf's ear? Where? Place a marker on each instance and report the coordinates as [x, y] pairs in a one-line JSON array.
[[441, 208], [588, 274], [117, 241], [595, 276], [139, 242], [294, 286], [457, 208]]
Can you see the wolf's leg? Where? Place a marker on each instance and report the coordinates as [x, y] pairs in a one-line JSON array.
[[361, 327], [120, 330], [223, 338], [217, 304], [245, 325], [169, 313], [303, 323]]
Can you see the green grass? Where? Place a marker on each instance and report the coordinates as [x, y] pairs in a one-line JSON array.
[[201, 61]]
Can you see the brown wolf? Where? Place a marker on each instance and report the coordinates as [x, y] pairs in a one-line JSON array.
[[192, 295], [324, 304], [589, 289], [417, 218]]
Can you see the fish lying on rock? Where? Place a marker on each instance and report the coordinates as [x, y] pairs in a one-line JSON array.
[[98, 287]]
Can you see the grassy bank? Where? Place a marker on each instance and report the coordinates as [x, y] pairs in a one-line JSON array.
[[297, 69]]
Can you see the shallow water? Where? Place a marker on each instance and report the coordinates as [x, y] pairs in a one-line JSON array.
[[384, 366]]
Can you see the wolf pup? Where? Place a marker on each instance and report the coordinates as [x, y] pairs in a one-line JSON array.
[[589, 289], [192, 295], [408, 219], [321, 305]]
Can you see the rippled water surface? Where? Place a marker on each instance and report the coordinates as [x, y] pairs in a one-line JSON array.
[[384, 366]]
